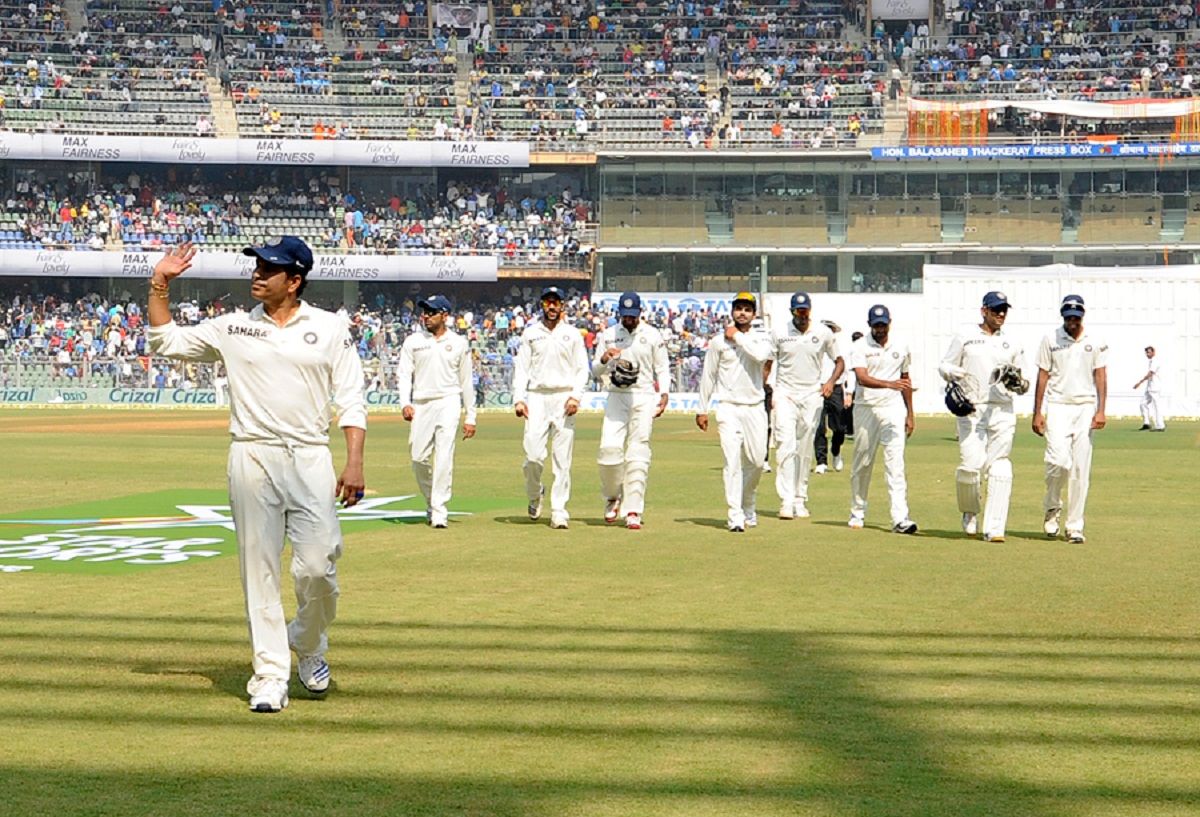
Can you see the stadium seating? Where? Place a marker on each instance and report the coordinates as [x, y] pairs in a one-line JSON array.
[[894, 221]]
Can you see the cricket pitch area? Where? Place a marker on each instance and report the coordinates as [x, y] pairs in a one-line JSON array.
[[501, 669]]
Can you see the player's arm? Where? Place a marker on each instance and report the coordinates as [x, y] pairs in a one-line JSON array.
[[1039, 395], [868, 382], [662, 375], [405, 372], [950, 366], [583, 374], [1100, 375], [467, 389], [839, 368], [708, 383], [165, 337], [910, 422], [351, 404], [755, 345], [520, 384], [605, 355]]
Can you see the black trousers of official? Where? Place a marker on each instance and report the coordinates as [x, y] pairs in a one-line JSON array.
[[839, 419]]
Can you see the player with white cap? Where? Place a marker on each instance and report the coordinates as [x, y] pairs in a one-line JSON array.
[[1068, 405], [287, 361], [435, 385], [733, 373], [883, 415], [974, 360], [549, 377], [631, 360], [799, 349]]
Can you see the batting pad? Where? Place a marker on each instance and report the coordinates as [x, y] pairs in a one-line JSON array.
[[967, 483], [999, 491]]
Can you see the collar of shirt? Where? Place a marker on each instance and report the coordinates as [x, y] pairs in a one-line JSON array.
[[1065, 338], [303, 312]]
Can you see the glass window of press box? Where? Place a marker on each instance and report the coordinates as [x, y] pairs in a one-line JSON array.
[[800, 224]]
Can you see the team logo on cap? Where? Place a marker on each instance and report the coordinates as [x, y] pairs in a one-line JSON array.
[[627, 302], [1002, 296], [879, 310], [274, 241], [310, 338]]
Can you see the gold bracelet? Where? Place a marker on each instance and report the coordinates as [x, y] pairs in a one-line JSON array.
[[166, 296], [158, 289]]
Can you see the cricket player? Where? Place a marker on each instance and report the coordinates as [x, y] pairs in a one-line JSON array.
[[883, 415], [1152, 415], [631, 359], [835, 413], [286, 361], [733, 373], [549, 377], [435, 388], [985, 437], [799, 349], [1068, 405]]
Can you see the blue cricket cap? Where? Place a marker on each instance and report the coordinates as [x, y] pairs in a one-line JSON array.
[[801, 301], [878, 314], [553, 293], [1072, 307], [435, 303], [629, 305], [995, 299], [284, 251]]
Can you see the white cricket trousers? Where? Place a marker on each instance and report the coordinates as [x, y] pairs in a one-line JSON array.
[[796, 418], [985, 438], [875, 426], [431, 444], [278, 491], [1068, 459], [743, 433], [624, 457], [548, 426], [1152, 414]]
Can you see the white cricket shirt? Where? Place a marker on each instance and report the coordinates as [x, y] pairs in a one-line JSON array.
[[645, 347], [282, 379], [733, 372], [1153, 385], [1071, 364], [800, 357], [973, 356], [882, 363], [431, 368], [550, 361]]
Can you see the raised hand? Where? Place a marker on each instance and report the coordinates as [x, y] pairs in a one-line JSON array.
[[174, 263]]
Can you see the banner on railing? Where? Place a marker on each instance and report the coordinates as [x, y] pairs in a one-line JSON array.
[[269, 151], [715, 302], [899, 9], [85, 264], [1052, 150], [459, 15]]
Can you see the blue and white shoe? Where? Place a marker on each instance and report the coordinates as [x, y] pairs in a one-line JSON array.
[[314, 673]]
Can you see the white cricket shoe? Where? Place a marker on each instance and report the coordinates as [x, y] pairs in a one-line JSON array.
[[993, 537], [267, 694], [767, 467], [558, 521], [535, 505], [821, 469], [1050, 526], [970, 524], [1076, 537], [801, 510], [905, 526], [751, 520], [736, 528], [633, 521], [856, 522], [612, 509], [838, 463], [313, 671], [786, 511]]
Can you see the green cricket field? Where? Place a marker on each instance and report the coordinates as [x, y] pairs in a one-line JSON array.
[[501, 669]]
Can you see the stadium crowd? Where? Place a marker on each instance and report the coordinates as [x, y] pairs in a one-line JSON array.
[[148, 209], [97, 340]]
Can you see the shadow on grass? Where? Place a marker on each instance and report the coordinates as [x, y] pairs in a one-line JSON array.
[[812, 694], [703, 522]]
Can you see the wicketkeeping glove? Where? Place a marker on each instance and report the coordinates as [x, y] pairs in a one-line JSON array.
[[957, 402], [1010, 377], [624, 373]]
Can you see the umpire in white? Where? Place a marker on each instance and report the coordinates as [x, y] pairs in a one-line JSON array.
[[883, 415], [733, 373], [975, 360], [1068, 405], [286, 360], [631, 361], [799, 350], [434, 380], [549, 376]]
